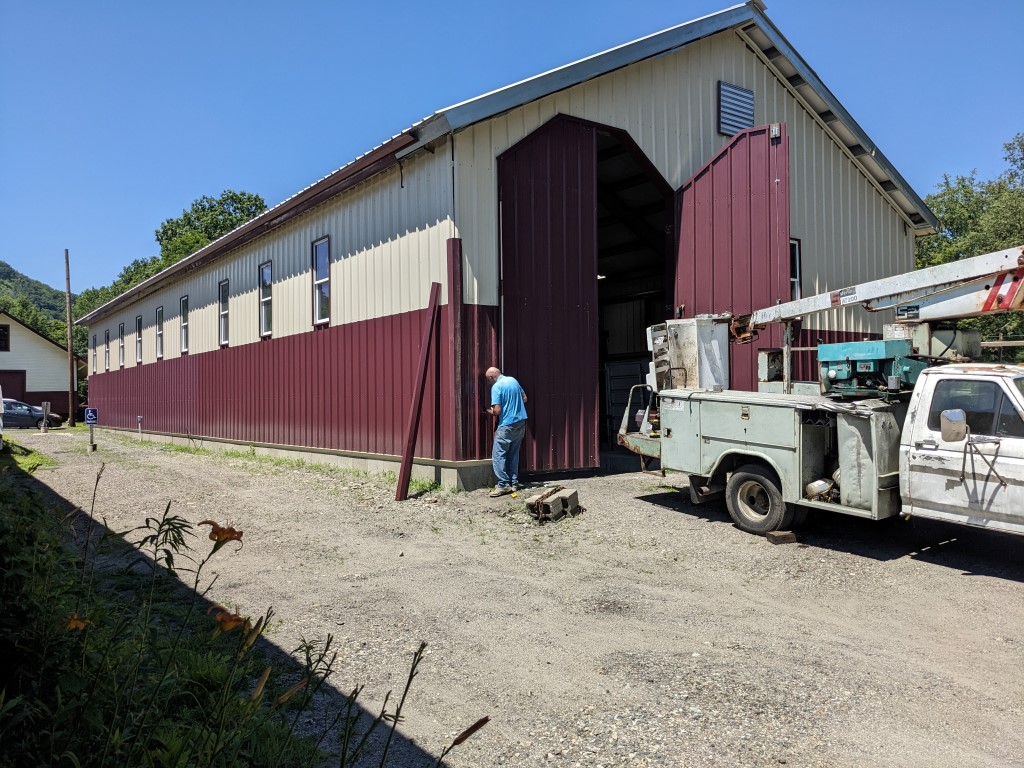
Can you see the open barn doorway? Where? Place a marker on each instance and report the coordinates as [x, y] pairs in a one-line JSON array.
[[634, 271], [585, 268]]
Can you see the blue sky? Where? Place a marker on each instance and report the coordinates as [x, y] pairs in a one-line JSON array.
[[116, 115]]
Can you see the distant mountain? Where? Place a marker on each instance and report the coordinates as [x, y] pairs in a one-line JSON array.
[[47, 300]]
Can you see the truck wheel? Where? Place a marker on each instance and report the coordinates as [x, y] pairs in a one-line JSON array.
[[755, 502]]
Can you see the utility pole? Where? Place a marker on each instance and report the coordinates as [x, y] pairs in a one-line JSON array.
[[71, 347]]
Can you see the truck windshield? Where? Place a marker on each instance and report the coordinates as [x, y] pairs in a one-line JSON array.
[[1020, 385]]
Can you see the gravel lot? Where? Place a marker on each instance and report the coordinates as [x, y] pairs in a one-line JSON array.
[[644, 632]]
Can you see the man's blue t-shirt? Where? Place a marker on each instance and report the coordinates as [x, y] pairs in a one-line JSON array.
[[507, 393]]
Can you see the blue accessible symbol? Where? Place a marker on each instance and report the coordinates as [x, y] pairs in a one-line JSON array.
[[92, 415]]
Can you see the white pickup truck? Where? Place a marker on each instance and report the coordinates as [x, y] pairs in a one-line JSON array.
[[954, 451]]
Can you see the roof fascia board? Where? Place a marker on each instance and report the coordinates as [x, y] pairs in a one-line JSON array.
[[504, 99], [810, 76]]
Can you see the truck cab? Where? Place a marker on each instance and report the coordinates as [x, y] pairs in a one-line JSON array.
[[962, 447]]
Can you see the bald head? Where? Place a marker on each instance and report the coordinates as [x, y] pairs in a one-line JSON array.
[[492, 374]]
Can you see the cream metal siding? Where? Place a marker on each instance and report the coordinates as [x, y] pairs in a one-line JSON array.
[[388, 240], [45, 365], [849, 232]]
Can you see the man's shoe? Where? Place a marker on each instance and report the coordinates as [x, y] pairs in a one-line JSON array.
[[499, 490]]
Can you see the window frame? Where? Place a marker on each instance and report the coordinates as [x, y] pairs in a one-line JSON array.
[[223, 310], [95, 354], [183, 321], [5, 337], [265, 319], [138, 339], [106, 350], [943, 401], [317, 319], [120, 345], [159, 321], [795, 269]]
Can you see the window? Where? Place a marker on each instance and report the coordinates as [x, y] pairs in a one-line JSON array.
[[95, 347], [322, 281], [159, 333], [5, 338], [266, 299], [222, 294], [120, 345], [735, 108], [138, 339], [106, 350], [794, 270], [183, 305], [989, 411]]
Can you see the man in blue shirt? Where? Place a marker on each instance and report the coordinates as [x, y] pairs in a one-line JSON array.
[[508, 403]]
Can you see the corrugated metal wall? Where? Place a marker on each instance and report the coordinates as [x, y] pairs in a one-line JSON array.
[[346, 387], [549, 291], [849, 232], [387, 240], [734, 239]]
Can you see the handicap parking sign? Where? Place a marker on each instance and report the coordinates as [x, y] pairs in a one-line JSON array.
[[92, 415]]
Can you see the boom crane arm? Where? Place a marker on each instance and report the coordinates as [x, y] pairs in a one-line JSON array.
[[957, 290]]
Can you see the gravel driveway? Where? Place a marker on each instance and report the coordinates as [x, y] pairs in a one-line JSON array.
[[645, 631]]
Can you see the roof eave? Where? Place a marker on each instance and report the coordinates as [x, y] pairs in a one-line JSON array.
[[355, 172], [929, 222], [509, 97]]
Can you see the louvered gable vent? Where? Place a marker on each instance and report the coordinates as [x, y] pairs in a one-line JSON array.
[[735, 108]]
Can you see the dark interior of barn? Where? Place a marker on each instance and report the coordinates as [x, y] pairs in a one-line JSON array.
[[635, 270]]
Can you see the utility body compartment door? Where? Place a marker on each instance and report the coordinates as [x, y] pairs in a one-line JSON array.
[[978, 481]]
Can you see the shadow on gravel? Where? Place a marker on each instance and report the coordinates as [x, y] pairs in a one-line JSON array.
[[121, 556], [972, 551]]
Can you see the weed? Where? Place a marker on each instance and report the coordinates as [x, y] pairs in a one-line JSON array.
[[110, 665], [189, 449]]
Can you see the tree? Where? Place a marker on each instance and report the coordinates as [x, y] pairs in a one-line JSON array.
[[980, 217], [204, 222]]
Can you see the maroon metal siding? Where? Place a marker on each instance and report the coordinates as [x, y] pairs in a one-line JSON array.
[[58, 400], [472, 349], [346, 387], [733, 253], [480, 351], [13, 384], [548, 197]]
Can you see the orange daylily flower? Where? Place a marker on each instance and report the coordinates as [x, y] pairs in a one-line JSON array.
[[227, 621], [222, 534], [73, 622], [292, 691]]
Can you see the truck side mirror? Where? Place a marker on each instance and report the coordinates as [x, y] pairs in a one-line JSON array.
[[953, 425]]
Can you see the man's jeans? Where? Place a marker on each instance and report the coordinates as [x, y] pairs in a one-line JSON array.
[[505, 455]]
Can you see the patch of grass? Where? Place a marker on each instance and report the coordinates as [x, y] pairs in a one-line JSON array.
[[418, 487], [192, 450], [24, 458]]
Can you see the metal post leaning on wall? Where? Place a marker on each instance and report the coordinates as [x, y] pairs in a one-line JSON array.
[[412, 429]]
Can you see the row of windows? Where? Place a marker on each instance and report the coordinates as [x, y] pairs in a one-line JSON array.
[[321, 272]]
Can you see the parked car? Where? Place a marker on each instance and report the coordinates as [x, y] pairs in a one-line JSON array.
[[19, 414]]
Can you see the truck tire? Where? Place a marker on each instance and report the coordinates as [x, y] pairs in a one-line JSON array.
[[755, 502]]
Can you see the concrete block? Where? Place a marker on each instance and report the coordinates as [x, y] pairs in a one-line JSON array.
[[781, 537], [558, 505]]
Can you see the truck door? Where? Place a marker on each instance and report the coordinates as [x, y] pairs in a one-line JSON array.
[[978, 481]]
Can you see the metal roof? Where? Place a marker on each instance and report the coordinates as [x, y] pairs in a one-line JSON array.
[[748, 19]]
